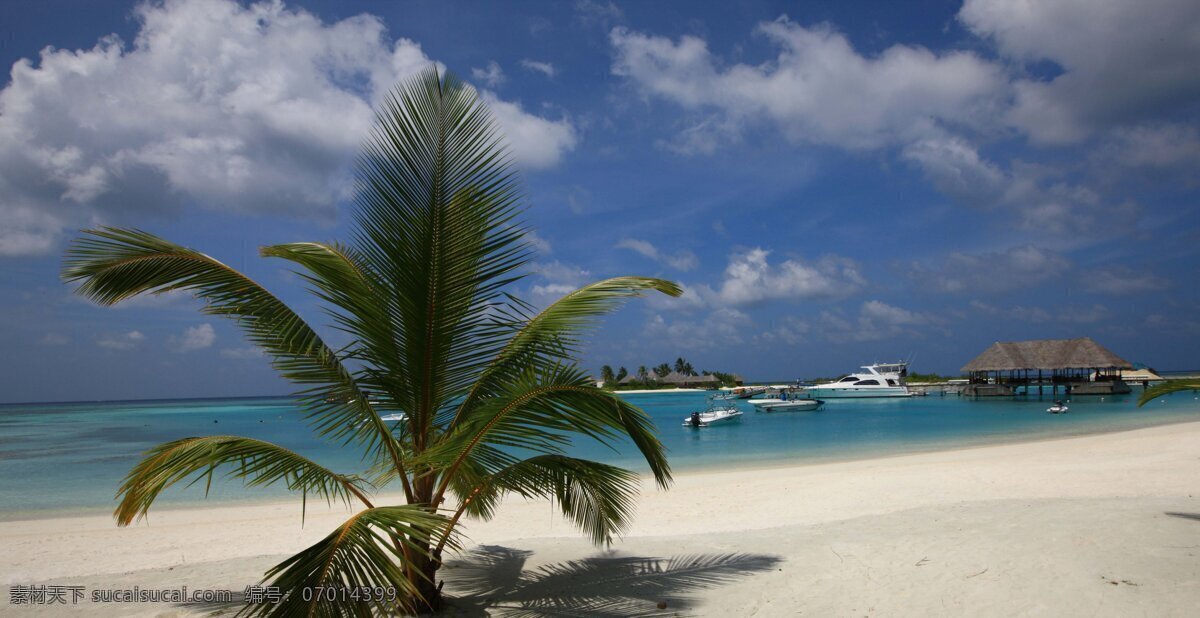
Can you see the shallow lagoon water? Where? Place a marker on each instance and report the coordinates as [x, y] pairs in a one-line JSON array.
[[60, 457]]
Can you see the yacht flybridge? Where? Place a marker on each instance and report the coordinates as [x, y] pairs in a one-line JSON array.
[[879, 380]]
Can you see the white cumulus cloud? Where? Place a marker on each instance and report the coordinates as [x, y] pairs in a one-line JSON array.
[[491, 75], [681, 260], [750, 278], [250, 108], [545, 68], [248, 352], [993, 271], [818, 88], [196, 337], [1121, 61], [126, 341]]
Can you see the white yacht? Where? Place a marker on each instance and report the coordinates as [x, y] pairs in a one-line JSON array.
[[879, 380]]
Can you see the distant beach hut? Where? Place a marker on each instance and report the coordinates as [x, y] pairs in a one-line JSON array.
[[676, 378], [1143, 375], [683, 381], [1081, 366]]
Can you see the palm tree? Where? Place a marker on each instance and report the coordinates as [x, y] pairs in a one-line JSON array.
[[621, 373], [422, 293], [606, 375]]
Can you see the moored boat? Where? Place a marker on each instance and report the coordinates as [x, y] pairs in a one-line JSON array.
[[793, 405], [714, 414], [879, 380], [1058, 408]]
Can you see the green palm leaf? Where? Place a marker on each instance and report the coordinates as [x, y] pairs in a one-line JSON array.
[[597, 497], [435, 215], [552, 332], [538, 412], [1166, 388], [112, 265], [256, 462], [370, 553]]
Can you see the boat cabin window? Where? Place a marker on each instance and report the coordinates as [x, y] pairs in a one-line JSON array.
[[848, 379], [867, 383], [891, 382]]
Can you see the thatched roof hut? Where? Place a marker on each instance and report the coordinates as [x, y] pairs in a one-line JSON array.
[[1046, 355], [681, 380], [674, 378]]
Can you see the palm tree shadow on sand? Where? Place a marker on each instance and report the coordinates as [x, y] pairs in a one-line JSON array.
[[493, 580]]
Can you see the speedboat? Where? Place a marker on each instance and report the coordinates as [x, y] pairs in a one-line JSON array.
[[713, 415], [1058, 408], [742, 393], [879, 380], [793, 405]]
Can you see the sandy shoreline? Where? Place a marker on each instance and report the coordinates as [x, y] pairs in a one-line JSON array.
[[1097, 525]]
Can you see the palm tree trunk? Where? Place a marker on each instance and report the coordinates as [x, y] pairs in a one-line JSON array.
[[429, 594], [428, 597]]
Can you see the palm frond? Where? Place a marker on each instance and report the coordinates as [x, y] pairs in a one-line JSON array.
[[371, 551], [597, 497], [256, 462], [113, 264], [1166, 388], [435, 211], [537, 413], [553, 332], [339, 276]]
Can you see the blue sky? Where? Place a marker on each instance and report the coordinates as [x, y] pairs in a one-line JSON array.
[[833, 183]]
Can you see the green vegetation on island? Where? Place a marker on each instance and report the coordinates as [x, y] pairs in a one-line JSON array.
[[664, 377]]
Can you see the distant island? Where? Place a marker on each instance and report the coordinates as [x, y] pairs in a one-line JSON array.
[[681, 374]]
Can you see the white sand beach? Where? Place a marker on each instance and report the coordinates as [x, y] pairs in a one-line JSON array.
[[1104, 525]]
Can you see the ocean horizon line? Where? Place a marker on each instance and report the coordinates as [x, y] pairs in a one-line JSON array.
[[1176, 373]]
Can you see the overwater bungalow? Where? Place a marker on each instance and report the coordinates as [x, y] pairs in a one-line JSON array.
[[1077, 366]]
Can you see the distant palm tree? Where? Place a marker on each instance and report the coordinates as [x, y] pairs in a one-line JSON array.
[[662, 370], [606, 375], [421, 293], [1166, 388], [642, 374], [621, 373]]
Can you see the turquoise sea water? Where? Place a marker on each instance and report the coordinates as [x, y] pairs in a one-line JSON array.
[[56, 458]]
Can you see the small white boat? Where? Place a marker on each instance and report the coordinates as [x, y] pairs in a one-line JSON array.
[[399, 416], [712, 416], [792, 405], [778, 395], [742, 392], [1058, 408]]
